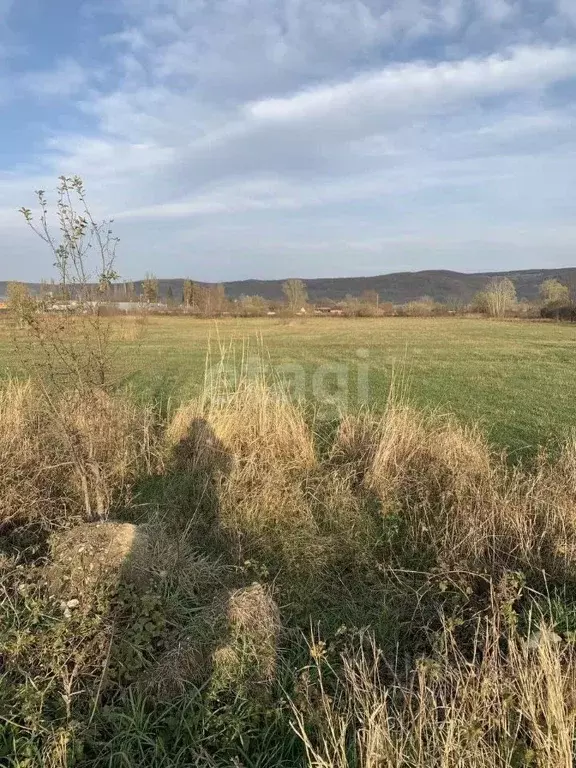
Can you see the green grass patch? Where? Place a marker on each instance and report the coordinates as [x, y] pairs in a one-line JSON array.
[[515, 378]]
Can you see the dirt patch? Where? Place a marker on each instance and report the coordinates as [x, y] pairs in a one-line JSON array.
[[97, 555]]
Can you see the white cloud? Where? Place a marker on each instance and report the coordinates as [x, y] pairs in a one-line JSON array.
[[498, 10], [244, 128], [422, 84]]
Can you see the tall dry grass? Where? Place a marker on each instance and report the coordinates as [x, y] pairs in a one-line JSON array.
[[54, 458], [256, 443], [407, 519], [458, 499], [499, 706]]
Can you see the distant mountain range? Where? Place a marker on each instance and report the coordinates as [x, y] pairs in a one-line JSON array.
[[441, 285]]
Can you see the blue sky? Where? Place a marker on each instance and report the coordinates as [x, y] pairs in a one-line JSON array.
[[270, 138]]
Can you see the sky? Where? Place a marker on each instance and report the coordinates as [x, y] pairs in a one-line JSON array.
[[234, 139]]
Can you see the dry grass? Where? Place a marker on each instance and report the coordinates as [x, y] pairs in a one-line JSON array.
[[458, 499], [28, 484], [489, 709], [254, 440], [53, 459], [231, 644], [481, 674], [130, 328]]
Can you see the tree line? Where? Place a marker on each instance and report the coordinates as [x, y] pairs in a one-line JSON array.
[[498, 299]]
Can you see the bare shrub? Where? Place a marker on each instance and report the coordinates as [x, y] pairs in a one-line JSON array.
[[424, 307], [74, 348], [69, 343]]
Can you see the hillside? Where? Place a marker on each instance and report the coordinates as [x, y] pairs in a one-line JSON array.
[[441, 285]]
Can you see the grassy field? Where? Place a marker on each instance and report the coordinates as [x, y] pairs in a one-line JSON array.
[[515, 378], [226, 583]]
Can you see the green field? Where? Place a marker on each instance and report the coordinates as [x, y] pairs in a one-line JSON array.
[[252, 595], [515, 378]]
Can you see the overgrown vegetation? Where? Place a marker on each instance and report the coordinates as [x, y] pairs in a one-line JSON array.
[[268, 592]]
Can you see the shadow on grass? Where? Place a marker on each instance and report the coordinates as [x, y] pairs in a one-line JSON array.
[[142, 648]]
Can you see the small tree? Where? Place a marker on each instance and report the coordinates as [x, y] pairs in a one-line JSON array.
[[296, 294], [150, 289], [480, 302], [188, 293], [20, 303], [500, 296], [77, 348], [72, 346], [554, 292]]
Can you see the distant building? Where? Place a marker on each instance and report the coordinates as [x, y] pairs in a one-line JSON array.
[[328, 311], [127, 306]]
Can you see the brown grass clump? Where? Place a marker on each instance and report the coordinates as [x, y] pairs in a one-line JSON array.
[[69, 458], [439, 477], [232, 644], [254, 622], [259, 446], [539, 512], [404, 453], [129, 328], [457, 499], [492, 708], [110, 441], [29, 480]]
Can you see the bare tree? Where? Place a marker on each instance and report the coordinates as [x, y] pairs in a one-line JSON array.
[[296, 294], [500, 296]]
